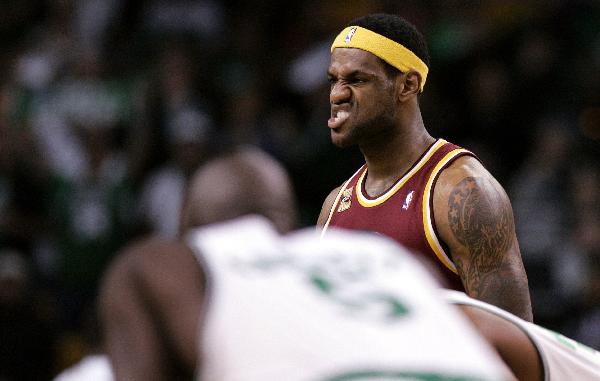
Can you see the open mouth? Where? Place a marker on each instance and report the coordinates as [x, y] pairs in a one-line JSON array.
[[337, 118]]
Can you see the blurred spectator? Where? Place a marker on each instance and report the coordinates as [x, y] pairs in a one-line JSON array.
[[83, 98], [22, 176], [77, 126], [169, 87], [91, 216], [202, 18], [46, 49], [587, 328], [490, 90], [92, 20], [542, 207], [76, 123], [539, 192], [189, 134], [586, 234]]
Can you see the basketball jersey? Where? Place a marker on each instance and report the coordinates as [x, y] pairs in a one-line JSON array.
[[348, 307], [562, 358], [405, 211]]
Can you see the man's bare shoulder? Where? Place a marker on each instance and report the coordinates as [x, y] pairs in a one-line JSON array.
[[467, 199], [469, 173], [148, 254], [466, 183], [461, 168], [327, 205]]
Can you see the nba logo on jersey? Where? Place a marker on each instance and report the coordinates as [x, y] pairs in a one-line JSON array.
[[350, 34], [346, 200], [408, 200]]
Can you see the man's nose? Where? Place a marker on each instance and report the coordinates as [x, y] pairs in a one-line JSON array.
[[340, 93]]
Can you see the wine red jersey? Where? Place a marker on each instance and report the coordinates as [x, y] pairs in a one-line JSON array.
[[405, 211]]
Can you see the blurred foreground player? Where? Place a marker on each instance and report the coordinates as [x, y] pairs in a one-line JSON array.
[[237, 301]]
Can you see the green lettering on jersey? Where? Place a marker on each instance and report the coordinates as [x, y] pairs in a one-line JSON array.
[[321, 283], [397, 309], [373, 304]]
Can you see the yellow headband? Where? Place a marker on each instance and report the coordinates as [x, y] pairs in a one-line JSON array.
[[388, 50]]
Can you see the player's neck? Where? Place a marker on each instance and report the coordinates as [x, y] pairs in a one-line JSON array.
[[390, 159]]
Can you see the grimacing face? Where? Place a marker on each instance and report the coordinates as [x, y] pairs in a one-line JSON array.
[[362, 98]]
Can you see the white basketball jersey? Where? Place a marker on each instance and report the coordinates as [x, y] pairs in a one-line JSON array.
[[562, 358], [348, 307]]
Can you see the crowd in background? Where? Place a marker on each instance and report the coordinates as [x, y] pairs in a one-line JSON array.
[[107, 106]]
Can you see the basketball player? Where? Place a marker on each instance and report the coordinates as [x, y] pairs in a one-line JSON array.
[[428, 194], [238, 301]]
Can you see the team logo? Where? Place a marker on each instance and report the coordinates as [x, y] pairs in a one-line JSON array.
[[350, 34], [346, 200], [408, 200]]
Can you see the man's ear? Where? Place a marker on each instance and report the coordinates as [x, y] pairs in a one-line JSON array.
[[409, 84]]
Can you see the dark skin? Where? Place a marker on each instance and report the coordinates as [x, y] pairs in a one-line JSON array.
[[150, 305], [380, 113], [152, 296]]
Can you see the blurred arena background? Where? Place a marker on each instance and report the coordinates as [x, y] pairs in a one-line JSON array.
[[107, 105]]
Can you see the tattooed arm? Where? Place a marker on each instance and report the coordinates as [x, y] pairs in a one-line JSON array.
[[474, 218]]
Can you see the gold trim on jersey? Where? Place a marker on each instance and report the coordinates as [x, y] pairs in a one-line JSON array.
[[432, 238], [337, 199], [365, 202]]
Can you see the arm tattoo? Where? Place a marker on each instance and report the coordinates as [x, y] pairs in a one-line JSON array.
[[483, 223]]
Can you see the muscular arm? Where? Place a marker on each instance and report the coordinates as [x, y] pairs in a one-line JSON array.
[[474, 217], [150, 305], [326, 208]]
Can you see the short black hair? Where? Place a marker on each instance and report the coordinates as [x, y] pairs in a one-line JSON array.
[[397, 29]]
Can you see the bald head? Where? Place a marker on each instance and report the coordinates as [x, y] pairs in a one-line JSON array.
[[246, 181]]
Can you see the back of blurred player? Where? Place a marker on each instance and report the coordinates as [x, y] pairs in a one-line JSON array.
[[348, 307]]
